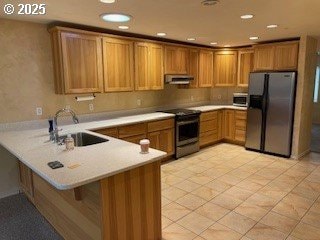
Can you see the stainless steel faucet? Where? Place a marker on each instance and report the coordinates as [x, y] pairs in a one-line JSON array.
[[55, 134]]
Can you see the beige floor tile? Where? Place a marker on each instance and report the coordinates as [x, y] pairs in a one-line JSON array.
[[184, 173], [312, 218], [293, 206], [201, 179], [316, 207], [199, 238], [279, 222], [195, 222], [292, 238], [191, 201], [212, 211], [280, 185], [227, 201], [197, 169], [174, 211], [245, 238], [206, 193], [177, 232], [230, 179], [237, 222], [250, 210], [187, 186], [272, 192], [173, 193], [264, 232], [240, 173], [207, 164], [239, 193], [220, 232], [165, 201], [262, 201], [218, 185], [259, 179], [172, 180], [306, 232], [164, 185], [249, 185], [269, 174], [308, 189], [165, 222]]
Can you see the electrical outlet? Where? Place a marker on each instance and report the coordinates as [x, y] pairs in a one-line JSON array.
[[91, 107], [39, 111], [139, 102], [219, 96]]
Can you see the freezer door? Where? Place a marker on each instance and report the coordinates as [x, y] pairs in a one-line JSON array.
[[280, 108], [254, 118]]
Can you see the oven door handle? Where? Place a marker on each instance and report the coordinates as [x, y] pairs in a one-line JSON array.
[[187, 122]]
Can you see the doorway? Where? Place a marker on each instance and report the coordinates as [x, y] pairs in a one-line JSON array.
[[315, 139]]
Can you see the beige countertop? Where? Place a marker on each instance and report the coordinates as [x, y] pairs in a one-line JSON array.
[[208, 108], [94, 162]]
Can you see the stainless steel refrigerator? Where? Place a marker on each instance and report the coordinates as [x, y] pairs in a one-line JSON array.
[[270, 112]]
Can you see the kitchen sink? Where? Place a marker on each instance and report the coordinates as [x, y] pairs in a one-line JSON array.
[[82, 139]]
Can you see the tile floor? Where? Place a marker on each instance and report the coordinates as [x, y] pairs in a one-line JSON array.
[[225, 192]]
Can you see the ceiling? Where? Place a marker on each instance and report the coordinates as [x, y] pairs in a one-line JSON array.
[[182, 19]]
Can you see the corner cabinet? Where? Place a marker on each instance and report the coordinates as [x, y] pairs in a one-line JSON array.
[[176, 60], [245, 66], [225, 68], [118, 65], [205, 68], [77, 62], [148, 66]]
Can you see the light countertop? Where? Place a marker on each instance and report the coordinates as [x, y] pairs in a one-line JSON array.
[[208, 108], [84, 164]]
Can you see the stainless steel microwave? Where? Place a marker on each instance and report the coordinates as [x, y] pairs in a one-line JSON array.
[[240, 99]]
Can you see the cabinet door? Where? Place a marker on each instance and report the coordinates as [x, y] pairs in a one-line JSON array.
[[286, 56], [225, 68], [141, 66], [229, 124], [264, 58], [156, 79], [135, 139], [26, 181], [118, 65], [176, 60], [194, 67], [82, 63], [167, 141], [245, 66], [205, 68], [154, 139], [220, 125]]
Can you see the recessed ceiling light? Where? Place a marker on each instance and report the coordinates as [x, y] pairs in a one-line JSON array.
[[209, 2], [213, 43], [253, 38], [161, 34], [272, 26], [247, 16], [191, 39], [123, 27], [227, 45], [115, 17], [107, 1]]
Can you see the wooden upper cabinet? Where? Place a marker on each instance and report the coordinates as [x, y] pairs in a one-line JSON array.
[[245, 66], [194, 67], [264, 57], [205, 68], [148, 66], [225, 68], [176, 60], [118, 65], [81, 69], [286, 56]]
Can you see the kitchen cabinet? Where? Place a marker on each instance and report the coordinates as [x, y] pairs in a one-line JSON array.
[[112, 132], [205, 68], [26, 181], [148, 66], [118, 65], [176, 60], [286, 56], [245, 66], [229, 124], [240, 126], [225, 68], [277, 56], [78, 65], [132, 130], [193, 69], [209, 128]]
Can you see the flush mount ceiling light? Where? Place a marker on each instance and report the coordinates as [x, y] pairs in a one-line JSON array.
[[123, 27], [161, 34], [107, 1], [209, 2], [115, 17], [247, 16], [272, 26], [191, 39], [253, 38], [227, 45], [213, 43]]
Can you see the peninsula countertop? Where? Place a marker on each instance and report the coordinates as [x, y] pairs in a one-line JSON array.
[[83, 164], [208, 108]]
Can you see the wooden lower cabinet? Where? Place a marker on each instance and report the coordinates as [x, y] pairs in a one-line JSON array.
[[210, 126], [26, 181], [240, 126], [135, 139], [229, 124]]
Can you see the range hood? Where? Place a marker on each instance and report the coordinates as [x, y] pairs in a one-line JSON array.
[[178, 79]]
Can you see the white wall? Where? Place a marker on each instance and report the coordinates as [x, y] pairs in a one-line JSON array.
[[9, 176]]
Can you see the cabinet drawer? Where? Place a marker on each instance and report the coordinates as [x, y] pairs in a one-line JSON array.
[[112, 132], [208, 125], [132, 130], [241, 115], [160, 125], [240, 135], [208, 116], [241, 124], [135, 139], [208, 137]]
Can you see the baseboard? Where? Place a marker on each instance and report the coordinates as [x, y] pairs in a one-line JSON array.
[[301, 155], [9, 193]]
